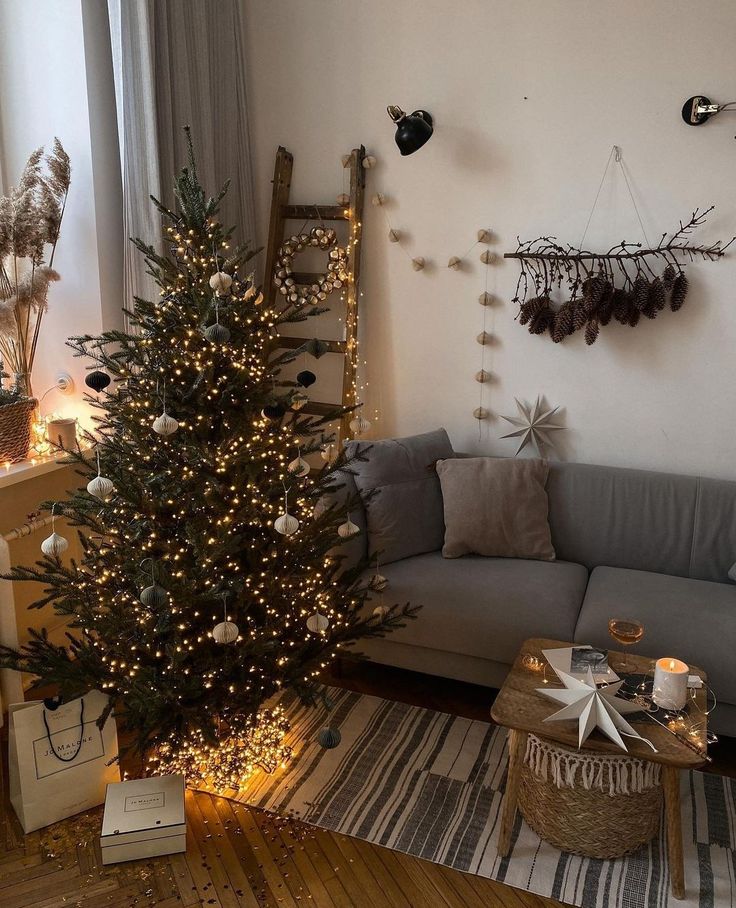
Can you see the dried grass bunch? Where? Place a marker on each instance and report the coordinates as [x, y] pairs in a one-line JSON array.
[[30, 225]]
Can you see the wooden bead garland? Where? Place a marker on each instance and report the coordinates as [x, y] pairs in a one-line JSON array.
[[334, 278]]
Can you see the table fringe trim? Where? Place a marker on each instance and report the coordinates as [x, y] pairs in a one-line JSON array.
[[613, 774]]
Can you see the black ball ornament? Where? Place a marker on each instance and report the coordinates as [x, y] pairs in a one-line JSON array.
[[273, 411], [329, 738], [97, 380], [306, 378]]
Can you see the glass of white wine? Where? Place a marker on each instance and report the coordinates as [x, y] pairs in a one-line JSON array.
[[627, 632]]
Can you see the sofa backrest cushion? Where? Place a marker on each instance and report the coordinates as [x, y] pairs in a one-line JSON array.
[[401, 493], [714, 540], [625, 518]]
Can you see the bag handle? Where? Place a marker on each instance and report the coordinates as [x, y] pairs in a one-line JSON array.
[[81, 736]]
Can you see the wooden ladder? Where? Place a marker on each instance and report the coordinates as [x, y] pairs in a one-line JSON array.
[[352, 213]]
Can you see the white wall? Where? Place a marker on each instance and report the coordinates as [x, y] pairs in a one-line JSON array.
[[44, 93], [528, 99]]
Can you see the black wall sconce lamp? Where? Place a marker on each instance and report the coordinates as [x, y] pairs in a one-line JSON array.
[[699, 109], [412, 130]]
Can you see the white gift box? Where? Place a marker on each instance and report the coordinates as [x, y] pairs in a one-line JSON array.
[[143, 818]]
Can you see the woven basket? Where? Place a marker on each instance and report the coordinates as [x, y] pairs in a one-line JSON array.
[[15, 429], [595, 805]]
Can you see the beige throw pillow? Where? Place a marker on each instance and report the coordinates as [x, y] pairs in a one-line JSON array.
[[496, 507]]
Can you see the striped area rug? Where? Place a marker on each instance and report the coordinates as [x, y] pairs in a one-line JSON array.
[[430, 784]]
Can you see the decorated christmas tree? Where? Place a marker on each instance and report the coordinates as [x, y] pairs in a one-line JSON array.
[[212, 576]]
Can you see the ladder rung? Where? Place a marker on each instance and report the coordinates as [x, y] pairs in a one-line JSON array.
[[316, 408], [314, 212], [293, 343]]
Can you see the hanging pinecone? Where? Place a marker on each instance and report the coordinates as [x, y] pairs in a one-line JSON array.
[[679, 292], [621, 306], [579, 316], [531, 308], [542, 320], [658, 294], [668, 277], [605, 307], [563, 324], [641, 292], [591, 332], [634, 316]]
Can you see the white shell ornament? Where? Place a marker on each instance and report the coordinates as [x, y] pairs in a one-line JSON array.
[[454, 263], [369, 161], [154, 596], [379, 582], [347, 529], [54, 545], [418, 263], [299, 400], [101, 487], [317, 623], [359, 425], [225, 632], [286, 524], [221, 282], [299, 467], [165, 424], [217, 333]]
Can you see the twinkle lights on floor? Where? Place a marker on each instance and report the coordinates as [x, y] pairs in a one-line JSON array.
[[248, 745]]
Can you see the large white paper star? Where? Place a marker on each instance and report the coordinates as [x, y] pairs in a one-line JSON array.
[[533, 425], [593, 707]]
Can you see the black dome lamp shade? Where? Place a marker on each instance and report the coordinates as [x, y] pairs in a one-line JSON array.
[[412, 130]]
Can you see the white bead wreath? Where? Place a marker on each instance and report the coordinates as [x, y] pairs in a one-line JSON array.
[[334, 278]]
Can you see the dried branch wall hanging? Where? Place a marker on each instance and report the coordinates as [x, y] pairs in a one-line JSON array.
[[627, 282]]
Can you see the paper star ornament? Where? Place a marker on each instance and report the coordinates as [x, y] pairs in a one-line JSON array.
[[533, 426], [593, 707]]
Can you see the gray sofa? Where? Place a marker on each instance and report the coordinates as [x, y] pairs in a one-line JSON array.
[[653, 546]]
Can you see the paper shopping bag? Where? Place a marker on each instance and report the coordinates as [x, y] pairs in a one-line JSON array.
[[59, 759]]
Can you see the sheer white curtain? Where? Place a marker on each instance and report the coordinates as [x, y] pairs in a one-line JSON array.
[[178, 63]]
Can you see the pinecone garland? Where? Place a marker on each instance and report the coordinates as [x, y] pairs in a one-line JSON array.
[[641, 292], [679, 292], [591, 332]]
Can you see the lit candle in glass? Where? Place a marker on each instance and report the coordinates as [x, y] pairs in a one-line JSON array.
[[670, 683]]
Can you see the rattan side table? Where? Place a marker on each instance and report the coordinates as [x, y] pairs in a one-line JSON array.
[[520, 709]]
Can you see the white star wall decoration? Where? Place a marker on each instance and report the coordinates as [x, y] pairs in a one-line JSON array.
[[593, 707], [533, 426]]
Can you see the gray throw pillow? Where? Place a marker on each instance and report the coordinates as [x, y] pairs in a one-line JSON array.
[[496, 507], [404, 515]]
